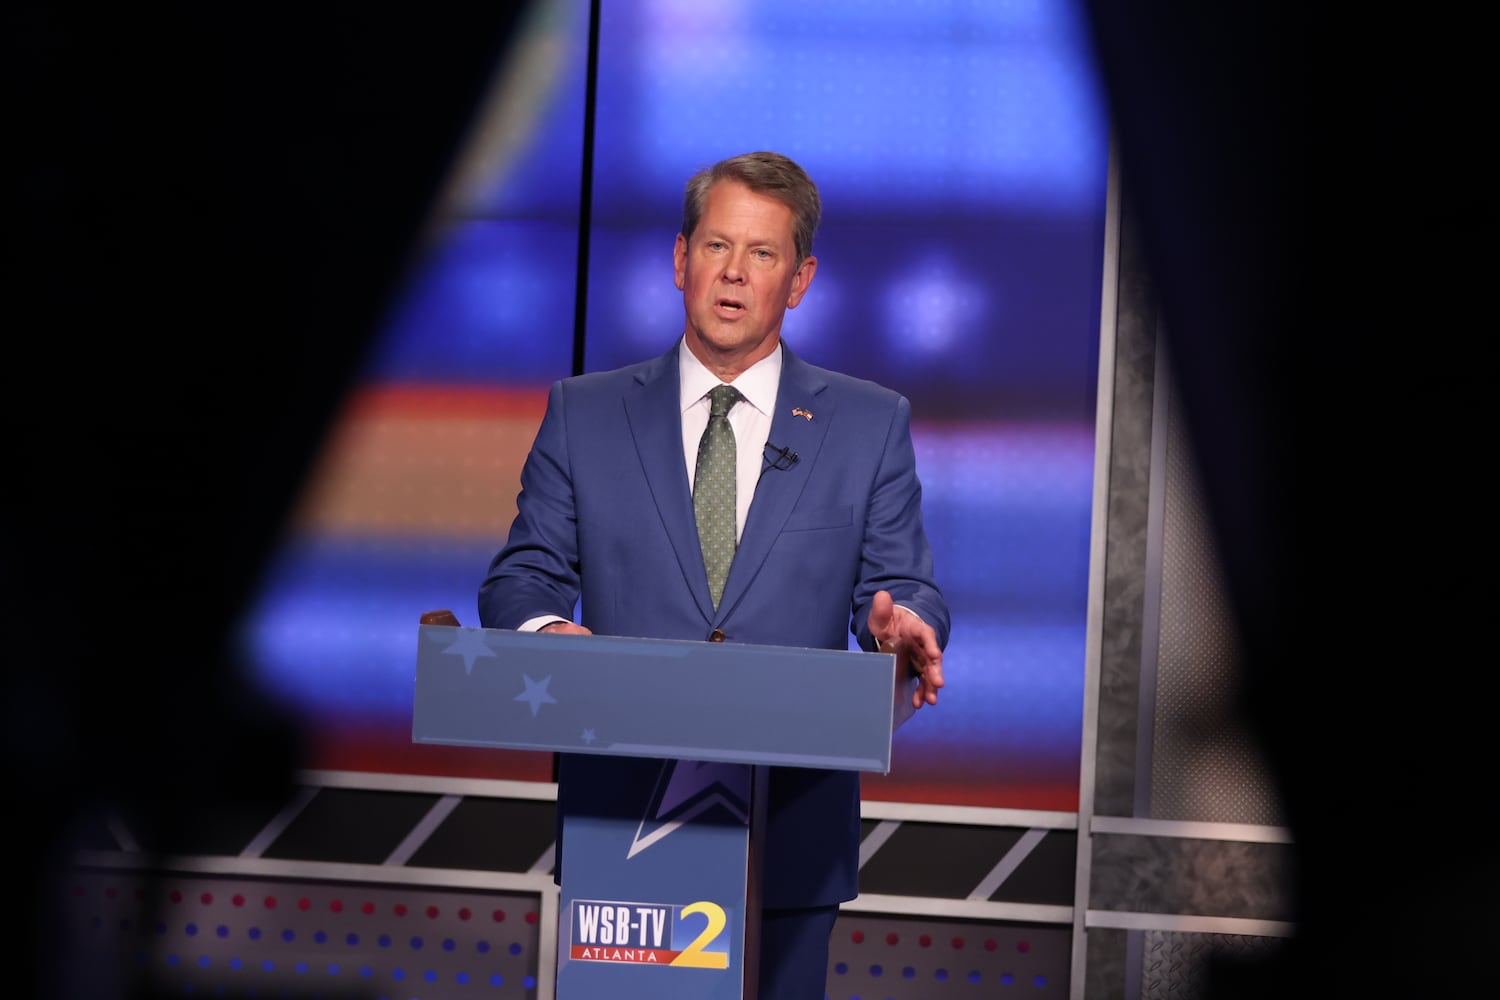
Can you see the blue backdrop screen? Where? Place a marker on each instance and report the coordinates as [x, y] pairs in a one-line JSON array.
[[961, 149]]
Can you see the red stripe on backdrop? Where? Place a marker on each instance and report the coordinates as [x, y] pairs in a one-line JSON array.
[[376, 747], [441, 400], [1000, 794], [385, 747]]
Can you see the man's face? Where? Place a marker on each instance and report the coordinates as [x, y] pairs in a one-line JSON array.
[[739, 275]]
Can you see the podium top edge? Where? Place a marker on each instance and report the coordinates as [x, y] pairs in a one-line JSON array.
[[656, 647]]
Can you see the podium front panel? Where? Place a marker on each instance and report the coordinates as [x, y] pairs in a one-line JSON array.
[[615, 696], [654, 879]]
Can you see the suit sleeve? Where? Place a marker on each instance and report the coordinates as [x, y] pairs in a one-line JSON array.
[[536, 572], [895, 554]]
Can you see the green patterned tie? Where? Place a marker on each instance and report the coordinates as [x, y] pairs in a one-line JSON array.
[[713, 489]]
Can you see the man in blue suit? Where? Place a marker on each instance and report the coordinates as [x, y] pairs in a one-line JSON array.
[[827, 510]]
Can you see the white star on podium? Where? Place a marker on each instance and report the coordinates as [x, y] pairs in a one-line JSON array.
[[470, 644], [536, 693]]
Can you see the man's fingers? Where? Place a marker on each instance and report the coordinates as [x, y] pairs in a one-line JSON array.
[[882, 609]]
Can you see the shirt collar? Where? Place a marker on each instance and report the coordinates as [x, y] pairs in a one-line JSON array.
[[757, 384]]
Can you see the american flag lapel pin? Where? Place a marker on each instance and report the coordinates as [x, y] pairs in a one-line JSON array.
[[800, 412]]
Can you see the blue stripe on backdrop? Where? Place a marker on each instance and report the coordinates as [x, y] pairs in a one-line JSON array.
[[336, 631]]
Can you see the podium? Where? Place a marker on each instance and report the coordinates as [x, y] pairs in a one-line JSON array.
[[666, 745]]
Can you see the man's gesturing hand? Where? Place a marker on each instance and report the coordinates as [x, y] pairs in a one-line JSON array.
[[897, 630]]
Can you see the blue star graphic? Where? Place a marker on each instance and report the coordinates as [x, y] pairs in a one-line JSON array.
[[685, 790], [469, 643], [588, 736], [536, 693]]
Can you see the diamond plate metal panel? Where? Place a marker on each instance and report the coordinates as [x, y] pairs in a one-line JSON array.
[[1205, 766]]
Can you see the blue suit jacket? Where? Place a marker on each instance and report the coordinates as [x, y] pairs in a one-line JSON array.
[[605, 514]]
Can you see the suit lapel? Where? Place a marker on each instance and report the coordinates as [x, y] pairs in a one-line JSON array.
[[654, 410], [802, 416]]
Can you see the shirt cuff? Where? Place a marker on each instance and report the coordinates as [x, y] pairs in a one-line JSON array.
[[536, 624]]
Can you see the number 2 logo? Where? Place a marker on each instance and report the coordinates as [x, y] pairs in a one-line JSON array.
[[693, 956]]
